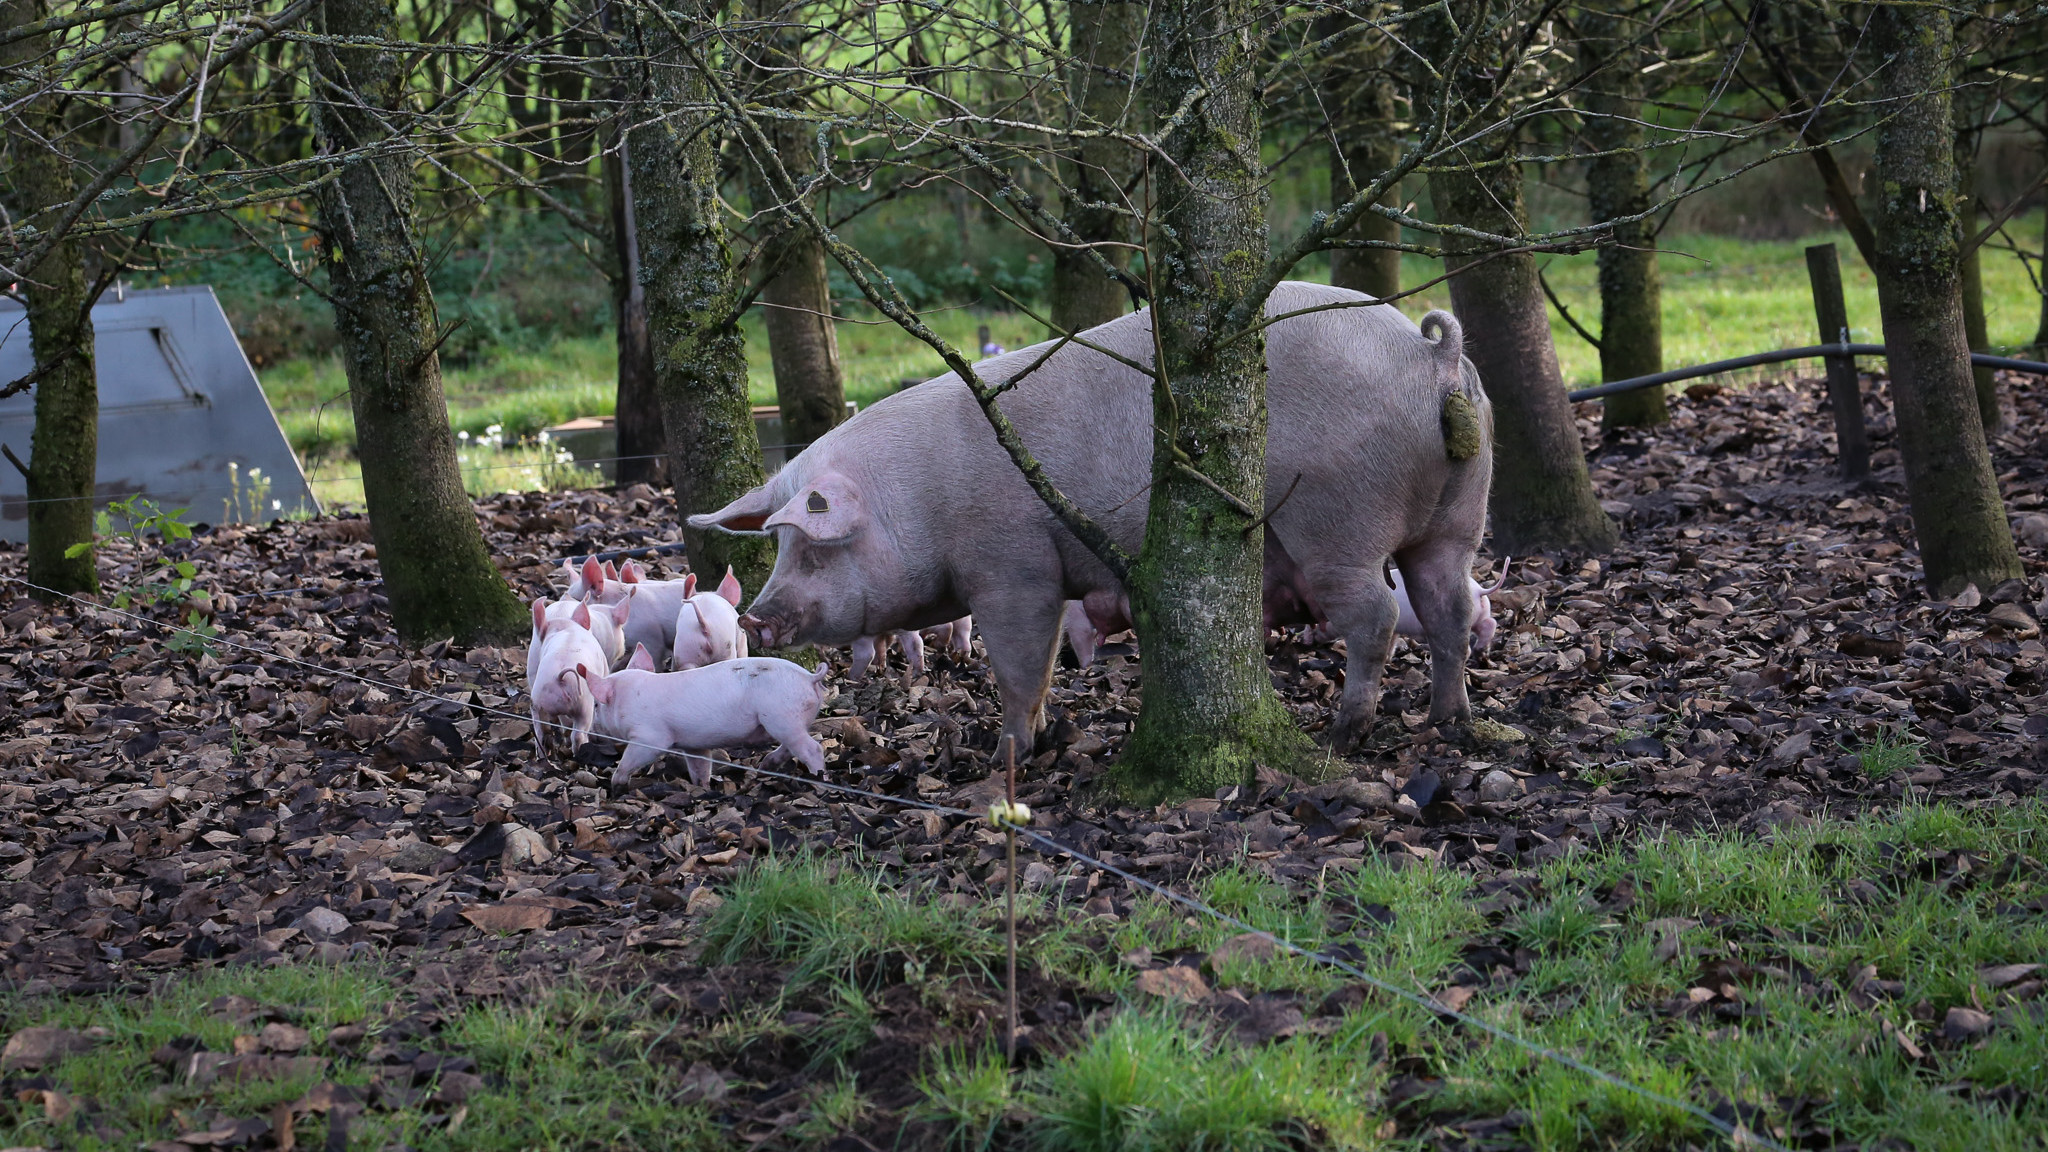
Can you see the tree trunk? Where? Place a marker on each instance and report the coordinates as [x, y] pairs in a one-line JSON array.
[[437, 573], [1958, 516], [2041, 329], [637, 411], [1103, 38], [796, 304], [1617, 184], [1975, 328], [1363, 111], [1208, 715], [1543, 499], [700, 362], [64, 448]]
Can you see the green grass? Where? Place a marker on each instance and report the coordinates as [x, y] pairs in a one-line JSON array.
[[559, 1073], [1888, 754], [1722, 297], [1581, 961]]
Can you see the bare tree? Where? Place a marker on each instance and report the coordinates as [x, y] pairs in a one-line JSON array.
[[1361, 103], [686, 268], [1958, 516], [64, 452], [437, 571], [796, 299], [1101, 94], [1546, 499], [1618, 188]]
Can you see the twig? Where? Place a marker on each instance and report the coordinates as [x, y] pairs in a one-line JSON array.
[[1284, 498], [1565, 312], [1228, 496], [15, 460]]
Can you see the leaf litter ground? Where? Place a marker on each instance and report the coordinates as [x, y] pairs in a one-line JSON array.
[[1754, 666]]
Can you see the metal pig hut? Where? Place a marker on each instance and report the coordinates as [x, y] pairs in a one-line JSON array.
[[179, 403]]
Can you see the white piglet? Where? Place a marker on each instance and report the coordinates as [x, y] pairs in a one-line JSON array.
[[708, 627], [1483, 624], [595, 582], [607, 625], [724, 705], [559, 697]]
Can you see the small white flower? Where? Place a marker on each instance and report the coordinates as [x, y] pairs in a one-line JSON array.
[[277, 505], [464, 436]]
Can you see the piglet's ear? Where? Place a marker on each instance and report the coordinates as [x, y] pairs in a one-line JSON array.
[[581, 615], [828, 510], [593, 576], [631, 573], [689, 585], [621, 610], [540, 613], [730, 587], [642, 659]]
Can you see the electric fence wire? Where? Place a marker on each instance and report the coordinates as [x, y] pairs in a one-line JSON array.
[[578, 462], [1737, 1133]]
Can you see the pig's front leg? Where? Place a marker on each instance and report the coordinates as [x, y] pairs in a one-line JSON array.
[[639, 754], [1021, 636], [700, 769]]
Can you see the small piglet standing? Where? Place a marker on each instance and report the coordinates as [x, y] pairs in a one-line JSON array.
[[752, 700], [562, 642], [708, 626]]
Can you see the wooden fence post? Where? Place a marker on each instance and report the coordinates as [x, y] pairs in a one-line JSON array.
[[1843, 389]]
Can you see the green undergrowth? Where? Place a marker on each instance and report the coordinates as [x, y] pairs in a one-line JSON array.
[[550, 1075], [1851, 983], [1802, 984]]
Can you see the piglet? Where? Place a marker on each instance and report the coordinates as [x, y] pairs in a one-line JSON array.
[[607, 624], [734, 702], [1091, 621], [656, 606], [595, 582], [1483, 624], [558, 695], [871, 653], [708, 627]]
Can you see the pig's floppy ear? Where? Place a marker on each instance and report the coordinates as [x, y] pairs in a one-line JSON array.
[[730, 587], [600, 687], [742, 515], [827, 510], [642, 659]]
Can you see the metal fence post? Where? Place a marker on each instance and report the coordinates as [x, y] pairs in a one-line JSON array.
[[1844, 391]]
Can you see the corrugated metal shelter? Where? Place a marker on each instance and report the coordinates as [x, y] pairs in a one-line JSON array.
[[179, 403]]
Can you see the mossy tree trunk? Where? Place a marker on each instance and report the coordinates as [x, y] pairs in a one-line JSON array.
[[1209, 714], [1361, 102], [1958, 516], [437, 572], [642, 445], [1543, 499], [1617, 186], [64, 448], [700, 363], [1974, 326], [796, 303], [1103, 40]]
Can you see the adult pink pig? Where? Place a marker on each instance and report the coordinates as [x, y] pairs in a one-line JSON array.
[[910, 514]]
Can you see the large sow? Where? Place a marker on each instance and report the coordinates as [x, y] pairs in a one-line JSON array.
[[910, 514]]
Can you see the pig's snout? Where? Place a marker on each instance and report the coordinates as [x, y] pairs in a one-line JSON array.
[[761, 632]]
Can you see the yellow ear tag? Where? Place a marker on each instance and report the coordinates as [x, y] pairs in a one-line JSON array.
[[817, 503]]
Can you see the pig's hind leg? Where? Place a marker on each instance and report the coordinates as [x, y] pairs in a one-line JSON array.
[[1439, 582], [1363, 611]]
